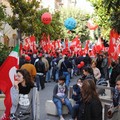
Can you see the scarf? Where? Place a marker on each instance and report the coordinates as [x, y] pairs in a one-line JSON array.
[[24, 89]]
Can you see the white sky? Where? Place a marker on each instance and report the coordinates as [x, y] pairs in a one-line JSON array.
[[82, 4], [85, 5]]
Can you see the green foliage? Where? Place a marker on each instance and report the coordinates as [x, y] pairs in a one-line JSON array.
[[2, 15], [27, 18], [113, 8], [24, 14], [4, 52], [107, 15], [81, 18], [101, 17], [53, 29]]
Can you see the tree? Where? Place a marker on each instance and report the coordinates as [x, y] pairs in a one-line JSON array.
[[2, 15], [23, 16], [113, 8], [4, 52], [26, 17], [53, 29], [81, 18], [107, 15]]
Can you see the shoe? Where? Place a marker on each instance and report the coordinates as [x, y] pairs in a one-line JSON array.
[[61, 118], [13, 117], [42, 87]]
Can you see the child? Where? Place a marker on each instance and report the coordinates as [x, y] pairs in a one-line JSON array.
[[60, 97]]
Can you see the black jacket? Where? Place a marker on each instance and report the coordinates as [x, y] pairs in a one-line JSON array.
[[114, 74], [92, 110], [40, 66], [76, 97]]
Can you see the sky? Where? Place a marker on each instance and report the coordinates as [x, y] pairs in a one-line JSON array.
[[85, 5], [82, 4]]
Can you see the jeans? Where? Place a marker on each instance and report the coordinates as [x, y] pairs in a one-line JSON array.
[[67, 77], [48, 76], [39, 81], [55, 74], [75, 111], [59, 104]]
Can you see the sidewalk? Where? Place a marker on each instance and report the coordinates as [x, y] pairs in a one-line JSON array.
[[46, 94]]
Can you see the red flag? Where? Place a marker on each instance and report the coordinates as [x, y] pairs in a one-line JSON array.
[[114, 44], [29, 43], [75, 41], [7, 72], [66, 43], [86, 46]]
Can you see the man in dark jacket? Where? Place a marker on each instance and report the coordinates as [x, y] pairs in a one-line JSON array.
[[66, 66], [40, 68]]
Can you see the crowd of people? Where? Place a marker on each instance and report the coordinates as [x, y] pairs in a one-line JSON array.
[[37, 68]]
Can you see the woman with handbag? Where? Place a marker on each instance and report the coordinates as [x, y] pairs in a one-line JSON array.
[[114, 111]]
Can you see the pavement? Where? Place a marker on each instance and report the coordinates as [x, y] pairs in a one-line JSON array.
[[46, 94]]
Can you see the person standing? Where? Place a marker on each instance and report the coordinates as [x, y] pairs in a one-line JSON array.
[[45, 61], [104, 67], [96, 71], [65, 67], [40, 68], [29, 67]]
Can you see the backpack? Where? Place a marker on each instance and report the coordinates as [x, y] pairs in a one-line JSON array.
[[102, 82], [39, 66]]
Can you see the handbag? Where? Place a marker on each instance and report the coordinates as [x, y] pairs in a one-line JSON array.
[[114, 113], [68, 69]]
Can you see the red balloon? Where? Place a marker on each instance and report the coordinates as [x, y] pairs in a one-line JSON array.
[[79, 66], [46, 18], [82, 63]]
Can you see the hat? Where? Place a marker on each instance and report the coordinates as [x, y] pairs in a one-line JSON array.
[[40, 55], [27, 58]]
